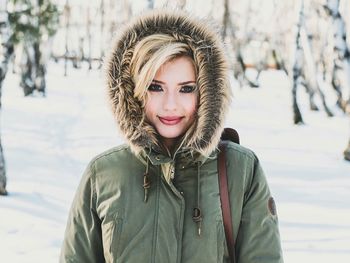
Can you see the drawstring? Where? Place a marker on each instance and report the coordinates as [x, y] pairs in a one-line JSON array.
[[146, 182], [197, 213]]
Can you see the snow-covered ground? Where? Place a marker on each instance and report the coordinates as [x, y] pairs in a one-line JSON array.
[[49, 141]]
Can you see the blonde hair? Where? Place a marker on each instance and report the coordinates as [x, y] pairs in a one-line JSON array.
[[149, 55]]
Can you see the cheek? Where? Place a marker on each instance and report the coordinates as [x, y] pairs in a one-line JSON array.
[[192, 106], [150, 108]]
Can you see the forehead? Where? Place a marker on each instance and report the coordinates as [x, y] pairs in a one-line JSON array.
[[179, 67]]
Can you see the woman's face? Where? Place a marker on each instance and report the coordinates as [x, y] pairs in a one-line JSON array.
[[171, 100]]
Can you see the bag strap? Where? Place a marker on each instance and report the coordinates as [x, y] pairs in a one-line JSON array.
[[232, 135]]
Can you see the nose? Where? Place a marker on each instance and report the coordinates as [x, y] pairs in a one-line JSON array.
[[170, 101]]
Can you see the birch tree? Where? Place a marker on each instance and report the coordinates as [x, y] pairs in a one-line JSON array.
[[6, 52], [342, 55], [32, 22], [102, 30], [342, 60], [304, 71], [66, 15], [89, 36]]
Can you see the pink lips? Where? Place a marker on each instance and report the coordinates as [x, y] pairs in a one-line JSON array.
[[170, 120]]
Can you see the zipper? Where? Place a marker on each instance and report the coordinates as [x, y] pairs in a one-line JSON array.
[[179, 194]]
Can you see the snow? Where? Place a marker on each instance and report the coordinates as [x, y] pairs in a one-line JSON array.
[[49, 141]]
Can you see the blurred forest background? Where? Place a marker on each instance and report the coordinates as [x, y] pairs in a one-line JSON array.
[[306, 39], [285, 56]]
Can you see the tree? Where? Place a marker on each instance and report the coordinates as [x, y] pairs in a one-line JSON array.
[[5, 56], [305, 66], [150, 4], [341, 60], [32, 23]]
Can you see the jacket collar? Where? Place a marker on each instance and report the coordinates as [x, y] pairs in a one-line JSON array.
[[183, 157]]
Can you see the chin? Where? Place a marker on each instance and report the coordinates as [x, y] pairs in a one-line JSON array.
[[170, 134]]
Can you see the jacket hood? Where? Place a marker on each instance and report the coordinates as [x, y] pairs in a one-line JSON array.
[[212, 80]]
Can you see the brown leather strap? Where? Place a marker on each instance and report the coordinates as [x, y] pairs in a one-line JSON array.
[[225, 201]]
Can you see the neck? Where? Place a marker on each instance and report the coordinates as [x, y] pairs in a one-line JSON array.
[[169, 143]]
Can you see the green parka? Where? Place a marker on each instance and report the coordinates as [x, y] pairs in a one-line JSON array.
[[126, 210]]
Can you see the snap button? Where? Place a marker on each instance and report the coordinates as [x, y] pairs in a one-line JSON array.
[[181, 192], [157, 157]]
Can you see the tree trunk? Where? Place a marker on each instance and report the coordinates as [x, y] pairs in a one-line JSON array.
[[27, 70], [313, 80], [343, 57], [102, 29], [347, 152], [3, 178], [225, 22], [150, 4], [66, 14], [89, 37], [40, 70], [297, 68], [8, 50], [32, 69]]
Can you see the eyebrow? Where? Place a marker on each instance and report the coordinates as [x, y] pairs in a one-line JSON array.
[[181, 83]]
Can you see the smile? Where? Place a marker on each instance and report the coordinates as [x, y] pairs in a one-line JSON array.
[[170, 120]]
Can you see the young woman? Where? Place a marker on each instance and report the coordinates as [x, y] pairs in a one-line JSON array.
[[156, 199]]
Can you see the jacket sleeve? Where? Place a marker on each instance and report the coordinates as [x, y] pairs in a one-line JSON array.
[[82, 241], [258, 238]]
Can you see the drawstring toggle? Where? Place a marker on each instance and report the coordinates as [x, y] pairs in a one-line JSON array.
[[197, 218], [146, 186], [146, 183]]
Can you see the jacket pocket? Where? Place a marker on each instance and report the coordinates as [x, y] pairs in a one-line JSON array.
[[111, 230]]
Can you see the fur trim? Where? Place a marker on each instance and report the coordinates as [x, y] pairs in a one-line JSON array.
[[212, 79]]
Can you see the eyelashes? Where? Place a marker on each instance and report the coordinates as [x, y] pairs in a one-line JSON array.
[[155, 87], [187, 89], [184, 89]]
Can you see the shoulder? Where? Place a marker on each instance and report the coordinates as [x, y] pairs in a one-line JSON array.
[[118, 156], [243, 165], [112, 153], [237, 151], [115, 168]]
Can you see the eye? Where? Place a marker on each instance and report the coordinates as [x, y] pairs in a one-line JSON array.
[[155, 87], [187, 89]]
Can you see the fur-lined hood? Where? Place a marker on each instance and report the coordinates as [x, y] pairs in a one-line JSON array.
[[212, 80]]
